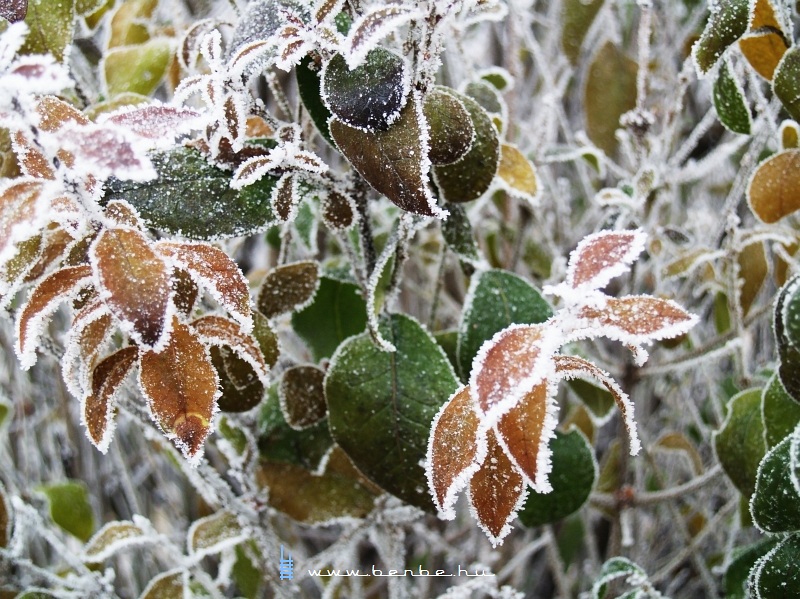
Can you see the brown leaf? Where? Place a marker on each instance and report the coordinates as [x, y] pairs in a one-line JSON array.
[[288, 288], [13, 11], [302, 396], [523, 431], [214, 270], [18, 199], [639, 318], [774, 189], [752, 270], [32, 161], [217, 330], [62, 285], [338, 213], [186, 291], [496, 491], [454, 450], [180, 385], [98, 408], [122, 213], [324, 8], [241, 389], [285, 197], [55, 242], [55, 113], [602, 256], [90, 331], [135, 283]]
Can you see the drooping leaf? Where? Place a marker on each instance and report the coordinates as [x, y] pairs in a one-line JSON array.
[[727, 22], [309, 87], [524, 433], [776, 574], [573, 475], [219, 331], [517, 174], [678, 442], [337, 312], [774, 503], [786, 84], [302, 395], [496, 492], [51, 27], [599, 401], [496, 299], [98, 410], [70, 508], [137, 69], [781, 413], [773, 189], [458, 235], [214, 533], [113, 537], [610, 92], [240, 387], [451, 130], [393, 161], [734, 581], [381, 404], [370, 96], [577, 17], [730, 102], [192, 198], [125, 263], [753, 270], [180, 385], [288, 288], [470, 177], [455, 451], [740, 442]]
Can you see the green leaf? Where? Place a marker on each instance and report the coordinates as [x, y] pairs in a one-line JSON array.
[[233, 435], [337, 312], [727, 22], [571, 536], [458, 235], [598, 399], [245, 574], [573, 476], [610, 92], [5, 518], [70, 508], [137, 69], [786, 82], [486, 96], [192, 198], [370, 96], [448, 341], [496, 299], [774, 504], [781, 412], [214, 533], [470, 177], [577, 17], [381, 404], [740, 442], [6, 412], [616, 567], [776, 575], [729, 101], [111, 538], [51, 24], [309, 85], [451, 130], [169, 585], [735, 579], [787, 335]]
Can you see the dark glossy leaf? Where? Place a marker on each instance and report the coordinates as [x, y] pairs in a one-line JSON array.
[[781, 413], [193, 199], [470, 177], [572, 477], [496, 299], [734, 582], [776, 575], [70, 507], [309, 85], [370, 96], [451, 130], [730, 102], [787, 336], [337, 312], [786, 82], [774, 504], [740, 442], [727, 22], [288, 288], [381, 404], [51, 24], [577, 17]]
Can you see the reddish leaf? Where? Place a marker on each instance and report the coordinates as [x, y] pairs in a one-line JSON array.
[[134, 282], [497, 492], [62, 285], [180, 385], [524, 432], [154, 121], [108, 151], [213, 270], [216, 330], [638, 318], [302, 396], [455, 450], [98, 407], [603, 256], [32, 161], [18, 207], [122, 213], [90, 331]]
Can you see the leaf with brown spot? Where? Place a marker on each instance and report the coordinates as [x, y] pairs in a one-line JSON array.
[[62, 285], [125, 264], [496, 492], [185, 291], [288, 288], [235, 118], [180, 385], [98, 410], [523, 433], [216, 272], [455, 451], [517, 173], [302, 396], [638, 318], [602, 256], [774, 189], [216, 330]]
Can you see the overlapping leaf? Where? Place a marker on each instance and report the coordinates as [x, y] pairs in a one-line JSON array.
[[98, 410], [451, 130], [288, 288], [726, 24]]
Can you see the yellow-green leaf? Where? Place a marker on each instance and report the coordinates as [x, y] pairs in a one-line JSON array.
[[138, 69]]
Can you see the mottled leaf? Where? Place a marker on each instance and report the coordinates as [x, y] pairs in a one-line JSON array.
[[337, 312], [381, 404], [51, 27], [451, 130], [730, 101], [180, 385], [214, 533], [517, 174], [99, 407], [577, 17], [302, 395], [773, 191], [191, 198], [288, 288], [470, 177], [138, 69], [573, 474], [786, 82], [70, 508], [774, 503], [740, 442], [112, 538], [781, 413], [125, 263], [727, 22]]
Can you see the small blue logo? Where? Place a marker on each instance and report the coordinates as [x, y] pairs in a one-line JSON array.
[[286, 568]]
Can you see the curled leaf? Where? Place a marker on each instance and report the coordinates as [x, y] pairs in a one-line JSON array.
[[98, 407], [216, 330]]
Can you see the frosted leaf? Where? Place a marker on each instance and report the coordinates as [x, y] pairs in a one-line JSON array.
[[249, 59], [601, 257], [285, 198], [62, 285], [98, 408], [338, 211], [39, 74], [121, 213], [11, 41], [288, 288], [292, 47], [302, 396], [54, 114], [517, 175], [324, 9], [455, 451], [496, 492], [727, 22], [21, 209], [173, 584], [213, 270], [253, 169], [156, 122], [235, 120], [190, 43], [450, 125], [105, 151], [31, 161], [772, 191], [216, 330], [118, 536], [214, 534], [211, 49], [90, 331], [373, 26]]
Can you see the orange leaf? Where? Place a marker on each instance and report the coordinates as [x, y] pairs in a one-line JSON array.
[[213, 270], [635, 319], [455, 451], [774, 189], [497, 491], [602, 256], [524, 432], [62, 285], [122, 213], [217, 330], [90, 331], [98, 407], [31, 160], [180, 385], [55, 113]]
